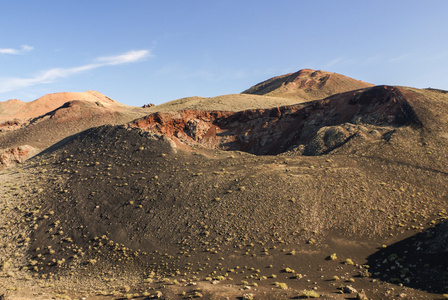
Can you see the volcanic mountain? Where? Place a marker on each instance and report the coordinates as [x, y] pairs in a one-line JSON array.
[[339, 198], [312, 128], [306, 85], [232, 102], [43, 122], [27, 128], [15, 109]]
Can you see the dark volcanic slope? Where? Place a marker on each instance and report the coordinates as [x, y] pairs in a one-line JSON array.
[[119, 194], [306, 85], [419, 261], [70, 118], [118, 200]]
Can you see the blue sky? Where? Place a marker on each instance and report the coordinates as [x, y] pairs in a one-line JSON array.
[[143, 51]]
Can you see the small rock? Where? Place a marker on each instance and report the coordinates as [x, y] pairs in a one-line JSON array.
[[362, 296], [248, 296], [349, 290], [157, 295]]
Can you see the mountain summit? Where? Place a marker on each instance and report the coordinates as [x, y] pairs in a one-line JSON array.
[[307, 85]]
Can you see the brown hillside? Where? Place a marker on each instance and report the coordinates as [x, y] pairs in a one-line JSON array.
[[312, 128], [10, 108], [232, 102], [47, 120], [306, 85], [121, 210], [344, 196], [16, 109], [302, 86]]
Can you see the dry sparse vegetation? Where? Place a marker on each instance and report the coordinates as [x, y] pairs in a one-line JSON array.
[[122, 212]]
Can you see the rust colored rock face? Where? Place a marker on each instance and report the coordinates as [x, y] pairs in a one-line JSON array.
[[10, 125], [273, 131], [12, 156]]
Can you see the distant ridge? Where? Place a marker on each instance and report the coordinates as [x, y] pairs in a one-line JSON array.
[[306, 85], [27, 128], [16, 109], [231, 102]]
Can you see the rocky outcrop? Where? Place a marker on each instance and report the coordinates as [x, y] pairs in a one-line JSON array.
[[13, 156], [11, 125], [313, 128]]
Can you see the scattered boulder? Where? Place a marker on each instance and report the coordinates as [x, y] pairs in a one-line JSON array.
[[362, 295], [148, 105], [349, 290]]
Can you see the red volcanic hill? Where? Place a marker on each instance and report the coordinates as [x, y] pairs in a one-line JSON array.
[[16, 109], [307, 85], [29, 127]]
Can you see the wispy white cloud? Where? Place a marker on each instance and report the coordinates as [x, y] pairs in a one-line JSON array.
[[373, 59], [334, 62], [23, 49], [48, 76], [400, 58], [127, 57]]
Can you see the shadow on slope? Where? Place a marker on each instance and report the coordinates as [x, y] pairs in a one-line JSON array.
[[420, 262]]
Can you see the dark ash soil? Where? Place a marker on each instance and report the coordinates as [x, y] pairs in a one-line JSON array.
[[117, 212]]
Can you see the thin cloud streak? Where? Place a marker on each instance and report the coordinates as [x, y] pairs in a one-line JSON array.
[[334, 62], [127, 57], [49, 76], [22, 50], [400, 58]]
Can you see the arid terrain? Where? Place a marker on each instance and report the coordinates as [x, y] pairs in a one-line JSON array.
[[307, 185]]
